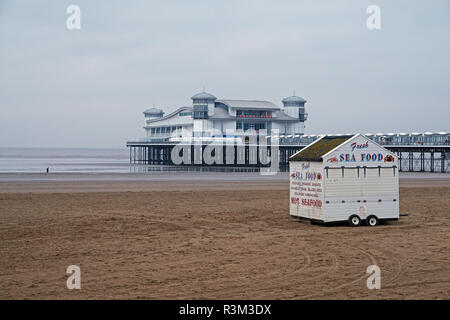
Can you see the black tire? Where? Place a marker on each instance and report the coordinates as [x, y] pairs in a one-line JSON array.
[[372, 221], [354, 221]]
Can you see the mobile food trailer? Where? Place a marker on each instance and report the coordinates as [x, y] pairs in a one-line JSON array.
[[344, 178]]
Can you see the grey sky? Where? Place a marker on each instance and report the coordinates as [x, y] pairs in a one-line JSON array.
[[88, 88]]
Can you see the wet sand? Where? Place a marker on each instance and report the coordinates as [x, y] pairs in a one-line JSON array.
[[110, 182], [200, 237]]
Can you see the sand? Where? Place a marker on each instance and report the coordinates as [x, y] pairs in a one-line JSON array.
[[200, 238]]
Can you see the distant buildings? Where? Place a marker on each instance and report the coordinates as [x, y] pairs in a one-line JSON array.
[[224, 117]]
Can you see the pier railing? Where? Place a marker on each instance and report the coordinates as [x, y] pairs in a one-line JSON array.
[[413, 139]]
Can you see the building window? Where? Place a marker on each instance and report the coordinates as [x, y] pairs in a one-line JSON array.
[[250, 125], [200, 115], [195, 101], [293, 104], [302, 116], [185, 114], [201, 112]]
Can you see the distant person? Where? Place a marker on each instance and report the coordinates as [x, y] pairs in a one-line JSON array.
[[47, 169]]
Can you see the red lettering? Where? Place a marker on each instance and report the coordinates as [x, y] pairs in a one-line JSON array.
[[312, 203]]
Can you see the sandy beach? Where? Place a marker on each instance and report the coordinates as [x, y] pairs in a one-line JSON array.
[[211, 236]]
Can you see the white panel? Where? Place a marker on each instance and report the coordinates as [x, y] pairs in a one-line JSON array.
[[291, 111], [306, 189], [279, 126], [373, 192], [229, 124]]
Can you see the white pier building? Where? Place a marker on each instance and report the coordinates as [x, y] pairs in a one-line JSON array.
[[224, 117]]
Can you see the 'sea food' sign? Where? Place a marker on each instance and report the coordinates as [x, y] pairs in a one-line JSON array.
[[360, 152]]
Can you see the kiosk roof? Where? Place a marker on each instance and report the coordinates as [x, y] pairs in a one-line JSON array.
[[316, 150]]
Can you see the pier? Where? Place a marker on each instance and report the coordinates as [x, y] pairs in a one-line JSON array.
[[415, 154]]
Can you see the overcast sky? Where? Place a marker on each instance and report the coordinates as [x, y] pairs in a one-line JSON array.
[[88, 87]]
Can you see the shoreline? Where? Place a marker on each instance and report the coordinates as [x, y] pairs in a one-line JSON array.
[[136, 182]]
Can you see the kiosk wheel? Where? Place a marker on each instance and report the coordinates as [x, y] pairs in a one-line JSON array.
[[354, 221], [372, 221]]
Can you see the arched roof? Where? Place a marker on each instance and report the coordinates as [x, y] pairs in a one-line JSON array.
[[170, 115], [249, 104], [203, 95], [154, 111], [294, 99]]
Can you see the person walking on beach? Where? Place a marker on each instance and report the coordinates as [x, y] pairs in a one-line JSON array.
[[47, 169]]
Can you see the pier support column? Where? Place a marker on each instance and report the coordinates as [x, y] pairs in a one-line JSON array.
[[422, 161], [432, 161], [411, 161], [246, 157], [152, 155], [160, 154]]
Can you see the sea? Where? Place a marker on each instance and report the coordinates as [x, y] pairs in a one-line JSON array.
[[87, 160], [111, 160], [64, 160]]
